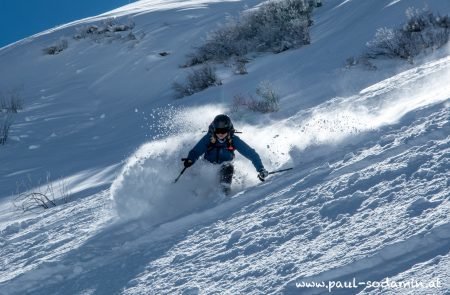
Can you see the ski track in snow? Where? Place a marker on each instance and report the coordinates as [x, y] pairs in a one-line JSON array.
[[363, 199], [369, 197], [339, 207]]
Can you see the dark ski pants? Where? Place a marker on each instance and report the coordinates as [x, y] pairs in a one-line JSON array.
[[226, 176]]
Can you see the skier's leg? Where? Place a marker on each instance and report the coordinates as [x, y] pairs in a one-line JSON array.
[[226, 177]]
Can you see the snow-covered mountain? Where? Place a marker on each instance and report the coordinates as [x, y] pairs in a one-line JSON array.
[[365, 208]]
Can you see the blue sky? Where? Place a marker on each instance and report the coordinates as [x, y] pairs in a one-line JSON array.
[[23, 18]]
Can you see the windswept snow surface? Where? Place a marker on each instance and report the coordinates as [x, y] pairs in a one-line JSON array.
[[368, 201], [364, 200]]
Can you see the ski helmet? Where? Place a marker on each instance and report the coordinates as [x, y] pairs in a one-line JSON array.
[[222, 123]]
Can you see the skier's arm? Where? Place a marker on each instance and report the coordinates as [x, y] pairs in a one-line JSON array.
[[199, 149], [248, 152]]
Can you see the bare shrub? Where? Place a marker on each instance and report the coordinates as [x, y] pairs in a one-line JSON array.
[[5, 125], [422, 31], [11, 103], [239, 65], [109, 29], [267, 102], [44, 195], [270, 99], [362, 61], [197, 80], [57, 48], [274, 26]]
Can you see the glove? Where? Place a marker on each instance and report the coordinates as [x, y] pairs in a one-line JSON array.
[[187, 163], [262, 174]]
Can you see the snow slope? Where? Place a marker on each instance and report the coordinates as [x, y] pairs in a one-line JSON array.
[[368, 198]]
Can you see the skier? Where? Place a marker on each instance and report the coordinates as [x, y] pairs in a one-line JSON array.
[[218, 147]]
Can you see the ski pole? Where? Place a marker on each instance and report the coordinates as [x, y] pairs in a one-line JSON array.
[[282, 170], [181, 173]]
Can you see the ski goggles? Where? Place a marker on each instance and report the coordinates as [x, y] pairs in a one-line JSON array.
[[221, 130]]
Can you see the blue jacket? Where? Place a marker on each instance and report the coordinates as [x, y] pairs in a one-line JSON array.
[[218, 152]]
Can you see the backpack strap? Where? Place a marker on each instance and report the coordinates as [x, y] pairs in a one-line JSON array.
[[230, 145]]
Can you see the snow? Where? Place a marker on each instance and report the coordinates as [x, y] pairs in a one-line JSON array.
[[367, 201]]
